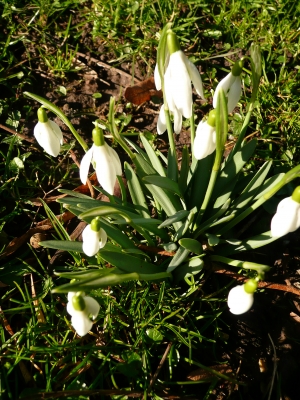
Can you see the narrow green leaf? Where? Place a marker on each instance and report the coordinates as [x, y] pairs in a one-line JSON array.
[[58, 226], [172, 172], [248, 244], [199, 180], [75, 194], [193, 267], [251, 189], [268, 185], [136, 191], [180, 256], [154, 160], [191, 245], [128, 263], [138, 150], [228, 177], [66, 245], [104, 211], [169, 202], [163, 182], [116, 235], [214, 220], [175, 218], [123, 189], [184, 170]]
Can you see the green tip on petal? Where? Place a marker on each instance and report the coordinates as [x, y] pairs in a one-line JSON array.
[[250, 286], [95, 225], [212, 118], [98, 137], [172, 42], [296, 194], [78, 302], [42, 115], [237, 69]]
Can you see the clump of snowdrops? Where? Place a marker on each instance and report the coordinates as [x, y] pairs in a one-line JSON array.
[[190, 212]]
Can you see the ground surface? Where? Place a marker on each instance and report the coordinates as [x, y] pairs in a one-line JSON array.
[[261, 348]]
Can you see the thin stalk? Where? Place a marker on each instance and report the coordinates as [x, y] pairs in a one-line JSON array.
[[51, 107], [210, 188], [221, 136], [241, 264], [193, 130], [114, 130], [172, 157]]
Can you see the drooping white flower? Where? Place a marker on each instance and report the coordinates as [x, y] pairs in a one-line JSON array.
[[93, 240], [205, 140], [232, 86], [239, 301], [179, 74], [48, 134], [287, 217], [162, 124], [80, 308], [107, 166]]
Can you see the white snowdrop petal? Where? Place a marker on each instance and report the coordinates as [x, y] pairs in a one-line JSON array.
[[70, 296], [85, 165], [103, 238], [157, 79], [205, 140], [234, 94], [115, 158], [239, 301], [81, 323], [57, 131], [169, 89], [90, 241], [92, 306], [195, 78], [105, 169], [225, 84], [46, 138], [177, 121], [70, 308], [161, 122], [181, 84], [287, 217]]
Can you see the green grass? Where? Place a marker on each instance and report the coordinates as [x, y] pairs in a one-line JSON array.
[[138, 322]]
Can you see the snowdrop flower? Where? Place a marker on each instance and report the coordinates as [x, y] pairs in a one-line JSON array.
[[240, 298], [287, 217], [232, 86], [93, 237], [205, 140], [80, 307], [107, 162], [48, 134], [177, 88]]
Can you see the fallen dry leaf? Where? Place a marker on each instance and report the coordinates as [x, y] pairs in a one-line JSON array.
[[142, 92]]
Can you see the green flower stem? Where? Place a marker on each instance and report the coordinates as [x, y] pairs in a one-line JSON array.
[[210, 187], [114, 130], [172, 157], [51, 107], [288, 177], [241, 264], [193, 131], [221, 136], [241, 136]]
